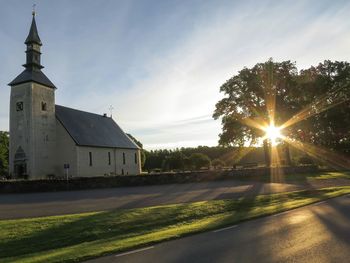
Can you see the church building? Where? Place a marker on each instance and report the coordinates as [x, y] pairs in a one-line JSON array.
[[48, 140]]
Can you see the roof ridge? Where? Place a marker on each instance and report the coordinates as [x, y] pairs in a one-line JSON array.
[[93, 113]]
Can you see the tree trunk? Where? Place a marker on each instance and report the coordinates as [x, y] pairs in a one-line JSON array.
[[287, 154], [267, 153]]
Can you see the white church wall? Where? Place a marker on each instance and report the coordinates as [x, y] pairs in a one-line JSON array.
[[66, 152], [130, 167], [99, 161], [100, 165]]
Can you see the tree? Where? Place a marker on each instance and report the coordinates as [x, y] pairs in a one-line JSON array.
[[326, 90], [175, 161], [155, 159], [218, 163], [275, 92], [200, 160], [4, 153]]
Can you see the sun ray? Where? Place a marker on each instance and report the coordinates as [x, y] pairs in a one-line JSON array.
[[332, 159], [276, 171], [236, 154], [321, 104], [258, 123]]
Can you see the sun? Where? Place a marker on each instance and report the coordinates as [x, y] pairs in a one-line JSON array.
[[273, 133]]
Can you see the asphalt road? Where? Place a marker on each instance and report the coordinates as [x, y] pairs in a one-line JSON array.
[[59, 203], [316, 233]]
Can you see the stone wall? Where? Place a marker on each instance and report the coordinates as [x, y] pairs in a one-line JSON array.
[[148, 179]]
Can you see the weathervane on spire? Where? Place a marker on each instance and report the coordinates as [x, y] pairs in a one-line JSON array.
[[33, 12], [111, 110]]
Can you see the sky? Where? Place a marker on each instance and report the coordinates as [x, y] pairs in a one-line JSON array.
[[160, 64]]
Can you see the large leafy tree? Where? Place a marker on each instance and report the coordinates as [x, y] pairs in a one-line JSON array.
[[251, 98], [308, 104]]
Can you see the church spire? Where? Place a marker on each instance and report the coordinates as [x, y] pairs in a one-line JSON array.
[[32, 72], [33, 36], [33, 43]]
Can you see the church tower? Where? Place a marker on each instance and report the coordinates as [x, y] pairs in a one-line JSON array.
[[32, 116]]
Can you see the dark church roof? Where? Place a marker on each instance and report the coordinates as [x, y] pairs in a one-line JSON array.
[[89, 129], [32, 75]]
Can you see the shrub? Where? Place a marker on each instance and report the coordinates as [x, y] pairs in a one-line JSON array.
[[217, 163], [305, 160]]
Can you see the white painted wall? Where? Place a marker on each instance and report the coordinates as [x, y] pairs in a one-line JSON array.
[[66, 152], [100, 165]]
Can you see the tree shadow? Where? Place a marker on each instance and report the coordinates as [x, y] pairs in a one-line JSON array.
[[339, 224]]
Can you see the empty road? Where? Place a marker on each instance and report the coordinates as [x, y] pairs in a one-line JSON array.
[[60, 203], [316, 233]]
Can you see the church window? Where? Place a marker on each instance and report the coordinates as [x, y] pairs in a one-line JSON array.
[[90, 158], [109, 158], [135, 158], [19, 106], [43, 106], [122, 171], [123, 158]]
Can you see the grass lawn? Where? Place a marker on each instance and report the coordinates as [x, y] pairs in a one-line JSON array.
[[296, 178], [73, 238], [331, 175]]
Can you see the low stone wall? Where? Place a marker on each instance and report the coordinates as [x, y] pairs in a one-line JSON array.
[[26, 186]]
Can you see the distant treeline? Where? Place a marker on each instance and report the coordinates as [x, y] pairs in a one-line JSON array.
[[204, 156]]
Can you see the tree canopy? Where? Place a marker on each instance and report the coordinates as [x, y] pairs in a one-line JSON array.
[[311, 105], [199, 160]]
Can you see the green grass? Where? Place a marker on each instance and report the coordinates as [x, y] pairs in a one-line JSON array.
[[73, 238], [331, 175], [296, 178]]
